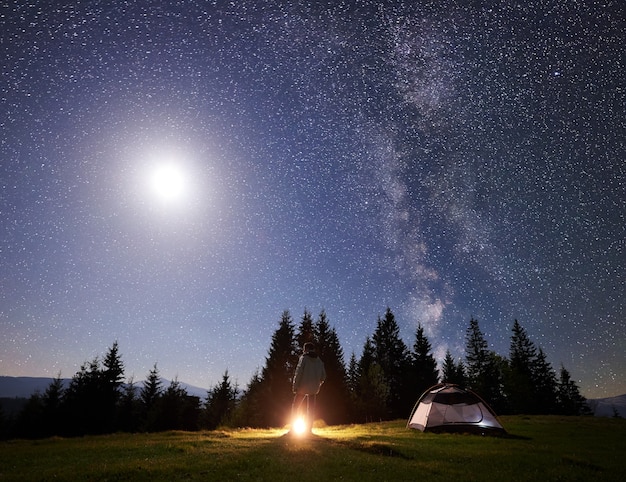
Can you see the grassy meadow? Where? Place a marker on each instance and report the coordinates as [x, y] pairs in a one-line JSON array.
[[536, 448]]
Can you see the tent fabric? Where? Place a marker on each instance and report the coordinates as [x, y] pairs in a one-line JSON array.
[[450, 408]]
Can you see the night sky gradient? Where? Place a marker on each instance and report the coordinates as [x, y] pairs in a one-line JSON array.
[[444, 159]]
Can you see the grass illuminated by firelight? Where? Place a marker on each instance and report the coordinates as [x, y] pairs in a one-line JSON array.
[[536, 448]]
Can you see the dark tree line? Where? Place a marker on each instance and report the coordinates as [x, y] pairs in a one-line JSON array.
[[385, 382], [525, 382], [97, 401], [382, 384]]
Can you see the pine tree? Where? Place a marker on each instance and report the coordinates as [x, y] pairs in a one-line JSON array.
[[150, 393], [52, 401], [176, 409], [373, 391], [129, 412], [570, 401], [333, 399], [220, 403], [484, 368], [523, 351], [151, 389], [545, 384], [83, 401], [424, 372], [276, 377], [520, 380], [452, 372], [477, 355], [249, 412], [530, 381], [90, 402], [113, 367], [191, 413], [353, 388], [392, 355], [495, 391], [368, 357], [306, 330], [448, 368], [112, 378]]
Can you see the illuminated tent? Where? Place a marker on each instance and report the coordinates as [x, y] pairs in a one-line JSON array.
[[450, 408]]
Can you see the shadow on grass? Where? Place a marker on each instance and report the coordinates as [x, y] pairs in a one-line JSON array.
[[381, 449], [512, 436], [372, 448]]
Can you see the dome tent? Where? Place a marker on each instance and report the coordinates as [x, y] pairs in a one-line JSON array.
[[450, 408]]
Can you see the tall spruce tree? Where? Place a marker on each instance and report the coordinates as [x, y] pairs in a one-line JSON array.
[[476, 355], [569, 399], [333, 399], [306, 330], [523, 350], [448, 368], [248, 412], [151, 388], [424, 372], [112, 378], [530, 381], [83, 401], [484, 368], [91, 400], [150, 394], [129, 414], [220, 403], [451, 371], [171, 407], [494, 381], [368, 356], [520, 379], [113, 367], [545, 384], [373, 390], [353, 387], [277, 375], [52, 407], [392, 355]]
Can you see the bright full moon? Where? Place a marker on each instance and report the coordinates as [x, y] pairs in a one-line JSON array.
[[168, 182]]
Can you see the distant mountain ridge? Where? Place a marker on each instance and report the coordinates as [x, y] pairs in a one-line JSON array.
[[24, 387], [609, 406]]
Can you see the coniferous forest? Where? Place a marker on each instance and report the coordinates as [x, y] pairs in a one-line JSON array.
[[382, 384]]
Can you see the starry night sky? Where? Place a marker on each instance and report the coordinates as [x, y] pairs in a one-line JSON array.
[[443, 159]]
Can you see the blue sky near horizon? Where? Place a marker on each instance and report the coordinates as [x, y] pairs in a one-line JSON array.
[[174, 175]]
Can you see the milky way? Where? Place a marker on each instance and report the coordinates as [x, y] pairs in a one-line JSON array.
[[445, 161]]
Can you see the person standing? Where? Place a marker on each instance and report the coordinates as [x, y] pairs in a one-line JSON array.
[[308, 378]]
